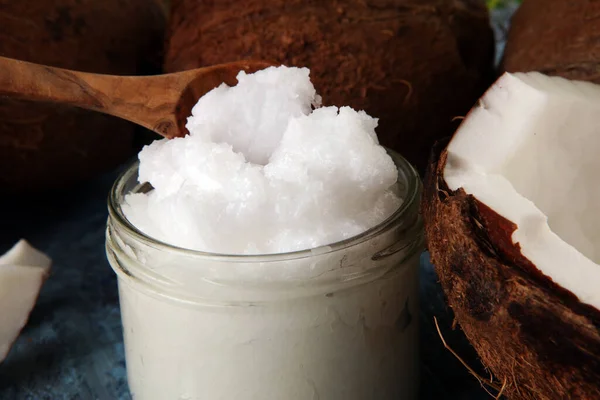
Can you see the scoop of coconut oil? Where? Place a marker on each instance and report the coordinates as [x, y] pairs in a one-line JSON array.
[[268, 168]]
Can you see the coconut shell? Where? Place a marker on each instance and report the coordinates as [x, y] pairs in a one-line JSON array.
[[415, 64], [555, 37], [534, 336], [47, 146]]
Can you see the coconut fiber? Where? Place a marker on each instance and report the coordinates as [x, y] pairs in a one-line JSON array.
[[48, 146], [415, 64]]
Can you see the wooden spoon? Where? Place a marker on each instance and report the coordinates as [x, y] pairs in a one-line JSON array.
[[160, 103]]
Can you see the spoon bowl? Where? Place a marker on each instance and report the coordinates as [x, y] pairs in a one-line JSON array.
[[203, 83]]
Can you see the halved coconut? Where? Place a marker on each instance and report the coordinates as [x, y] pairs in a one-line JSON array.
[[23, 270], [513, 225]]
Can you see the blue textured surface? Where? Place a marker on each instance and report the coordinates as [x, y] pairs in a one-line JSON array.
[[72, 347]]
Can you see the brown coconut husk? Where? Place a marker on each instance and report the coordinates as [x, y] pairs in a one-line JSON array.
[[414, 64], [555, 37], [47, 146], [535, 336]]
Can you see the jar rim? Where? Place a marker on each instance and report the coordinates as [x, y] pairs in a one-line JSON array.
[[412, 195]]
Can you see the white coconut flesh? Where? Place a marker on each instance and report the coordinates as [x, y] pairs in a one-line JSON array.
[[23, 270], [531, 152]]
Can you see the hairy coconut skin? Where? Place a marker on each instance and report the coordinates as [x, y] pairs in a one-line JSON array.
[[555, 37], [415, 64], [533, 335], [48, 146]]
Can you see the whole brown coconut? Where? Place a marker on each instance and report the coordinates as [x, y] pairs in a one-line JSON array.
[[46, 146], [555, 37], [415, 64], [536, 338]]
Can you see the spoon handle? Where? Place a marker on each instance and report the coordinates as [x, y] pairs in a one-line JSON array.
[[147, 101]]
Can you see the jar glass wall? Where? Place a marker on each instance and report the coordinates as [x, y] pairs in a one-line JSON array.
[[338, 322]]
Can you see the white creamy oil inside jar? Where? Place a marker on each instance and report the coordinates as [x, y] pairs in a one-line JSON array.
[[274, 256], [263, 169]]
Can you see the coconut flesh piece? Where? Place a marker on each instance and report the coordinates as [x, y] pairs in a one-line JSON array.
[[529, 153], [23, 270]]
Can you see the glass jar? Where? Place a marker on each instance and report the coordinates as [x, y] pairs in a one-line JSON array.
[[338, 322]]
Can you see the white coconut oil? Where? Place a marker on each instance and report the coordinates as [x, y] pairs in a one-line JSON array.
[[271, 257], [334, 323]]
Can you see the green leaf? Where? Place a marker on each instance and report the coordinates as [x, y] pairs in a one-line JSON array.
[[494, 4]]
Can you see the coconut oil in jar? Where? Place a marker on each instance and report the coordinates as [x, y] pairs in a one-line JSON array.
[[338, 322], [271, 254]]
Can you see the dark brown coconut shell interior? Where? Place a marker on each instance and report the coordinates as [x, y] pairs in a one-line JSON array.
[[415, 64], [534, 336], [556, 37], [48, 146]]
